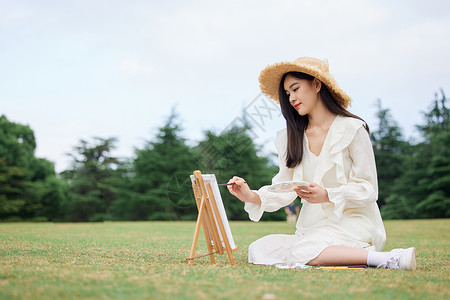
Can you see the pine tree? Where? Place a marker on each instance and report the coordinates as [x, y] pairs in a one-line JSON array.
[[423, 189], [390, 151], [435, 201], [91, 178], [161, 185]]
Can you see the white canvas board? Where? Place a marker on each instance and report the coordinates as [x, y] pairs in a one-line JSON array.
[[211, 178]]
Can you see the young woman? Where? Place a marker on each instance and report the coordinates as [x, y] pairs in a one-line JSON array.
[[330, 148]]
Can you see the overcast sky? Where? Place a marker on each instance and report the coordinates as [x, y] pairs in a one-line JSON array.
[[77, 69]]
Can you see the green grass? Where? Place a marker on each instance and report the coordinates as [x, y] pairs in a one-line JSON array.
[[146, 260]]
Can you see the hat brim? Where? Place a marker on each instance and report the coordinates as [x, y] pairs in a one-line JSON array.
[[270, 78]]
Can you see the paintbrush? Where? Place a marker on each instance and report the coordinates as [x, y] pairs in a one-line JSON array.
[[223, 184]]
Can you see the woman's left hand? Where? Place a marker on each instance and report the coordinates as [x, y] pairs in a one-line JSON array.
[[313, 193]]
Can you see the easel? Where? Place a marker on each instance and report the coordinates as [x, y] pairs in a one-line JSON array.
[[209, 217]]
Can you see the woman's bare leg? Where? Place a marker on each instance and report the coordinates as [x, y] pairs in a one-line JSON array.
[[340, 256]]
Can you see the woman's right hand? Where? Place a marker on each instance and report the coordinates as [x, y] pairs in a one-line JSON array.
[[240, 189]]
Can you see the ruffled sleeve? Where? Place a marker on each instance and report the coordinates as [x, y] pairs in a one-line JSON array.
[[357, 184], [274, 201]]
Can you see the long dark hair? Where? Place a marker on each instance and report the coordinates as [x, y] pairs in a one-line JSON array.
[[297, 124]]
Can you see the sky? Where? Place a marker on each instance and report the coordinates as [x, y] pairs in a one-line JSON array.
[[80, 69]]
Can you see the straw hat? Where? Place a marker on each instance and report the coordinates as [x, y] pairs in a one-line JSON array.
[[270, 77]]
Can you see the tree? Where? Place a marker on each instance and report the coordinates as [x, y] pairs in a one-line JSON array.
[[26, 182], [423, 189], [436, 182], [91, 181], [390, 151], [161, 185], [13, 191]]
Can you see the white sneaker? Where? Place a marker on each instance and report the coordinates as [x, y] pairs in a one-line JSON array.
[[401, 259]]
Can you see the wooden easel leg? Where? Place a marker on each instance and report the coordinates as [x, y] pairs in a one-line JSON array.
[[201, 204], [208, 243], [194, 242]]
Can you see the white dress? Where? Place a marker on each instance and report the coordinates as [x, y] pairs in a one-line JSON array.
[[346, 169]]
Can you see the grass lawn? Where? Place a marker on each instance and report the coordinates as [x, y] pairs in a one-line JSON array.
[[146, 260]]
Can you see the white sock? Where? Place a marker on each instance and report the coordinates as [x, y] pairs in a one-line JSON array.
[[375, 258]]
